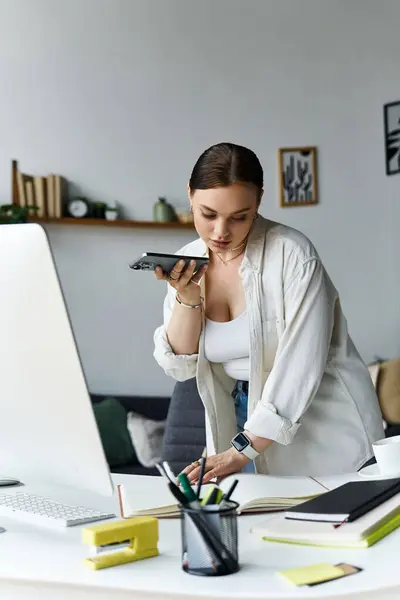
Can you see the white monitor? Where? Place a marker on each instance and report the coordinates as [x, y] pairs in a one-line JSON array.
[[48, 432]]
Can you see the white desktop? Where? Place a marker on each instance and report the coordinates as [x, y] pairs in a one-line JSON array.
[[48, 432], [49, 438]]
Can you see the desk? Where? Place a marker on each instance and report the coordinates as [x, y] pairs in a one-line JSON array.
[[44, 564]]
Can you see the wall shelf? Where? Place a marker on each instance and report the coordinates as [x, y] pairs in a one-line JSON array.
[[90, 221], [116, 223]]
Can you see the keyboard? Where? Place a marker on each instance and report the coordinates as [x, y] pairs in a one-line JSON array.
[[39, 510]]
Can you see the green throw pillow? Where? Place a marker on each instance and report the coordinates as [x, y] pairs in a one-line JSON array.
[[111, 420]]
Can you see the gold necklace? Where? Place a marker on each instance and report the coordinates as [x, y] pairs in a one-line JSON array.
[[237, 247], [224, 262]]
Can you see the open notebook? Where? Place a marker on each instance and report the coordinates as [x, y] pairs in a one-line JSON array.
[[361, 533], [254, 493]]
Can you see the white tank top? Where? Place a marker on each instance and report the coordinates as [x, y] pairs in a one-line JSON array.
[[228, 343]]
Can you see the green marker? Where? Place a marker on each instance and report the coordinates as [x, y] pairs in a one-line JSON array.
[[186, 487]]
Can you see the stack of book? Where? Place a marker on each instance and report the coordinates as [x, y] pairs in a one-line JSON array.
[[354, 515], [47, 193]]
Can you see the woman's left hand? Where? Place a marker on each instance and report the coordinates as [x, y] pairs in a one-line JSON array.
[[217, 466]]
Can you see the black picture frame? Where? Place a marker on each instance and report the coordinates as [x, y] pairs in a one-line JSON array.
[[391, 119]]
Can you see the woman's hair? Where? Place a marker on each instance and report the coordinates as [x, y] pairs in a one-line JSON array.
[[224, 164]]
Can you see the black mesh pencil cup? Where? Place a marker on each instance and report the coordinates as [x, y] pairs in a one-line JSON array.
[[210, 539]]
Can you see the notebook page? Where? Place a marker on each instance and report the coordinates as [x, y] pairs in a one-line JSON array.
[[267, 487], [152, 493], [147, 492]]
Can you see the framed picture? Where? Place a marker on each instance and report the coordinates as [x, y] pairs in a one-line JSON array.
[[298, 176], [391, 116]]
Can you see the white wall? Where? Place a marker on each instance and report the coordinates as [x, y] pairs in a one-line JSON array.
[[121, 96]]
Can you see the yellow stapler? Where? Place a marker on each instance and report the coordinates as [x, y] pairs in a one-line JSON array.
[[121, 542]]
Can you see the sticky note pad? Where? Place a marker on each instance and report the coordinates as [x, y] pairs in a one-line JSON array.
[[312, 574]]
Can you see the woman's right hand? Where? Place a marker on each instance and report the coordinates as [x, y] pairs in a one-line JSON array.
[[185, 281]]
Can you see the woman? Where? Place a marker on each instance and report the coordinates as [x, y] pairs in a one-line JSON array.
[[263, 331]]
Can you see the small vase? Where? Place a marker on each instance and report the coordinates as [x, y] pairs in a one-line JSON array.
[[163, 211]]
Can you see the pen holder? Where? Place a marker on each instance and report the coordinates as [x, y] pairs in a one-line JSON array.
[[210, 539]]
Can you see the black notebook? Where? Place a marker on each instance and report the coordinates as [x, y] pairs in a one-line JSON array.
[[347, 502]]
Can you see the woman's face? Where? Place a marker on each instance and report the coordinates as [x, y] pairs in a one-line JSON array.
[[223, 216]]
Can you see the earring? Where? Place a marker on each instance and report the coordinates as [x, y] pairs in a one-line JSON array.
[[191, 208]]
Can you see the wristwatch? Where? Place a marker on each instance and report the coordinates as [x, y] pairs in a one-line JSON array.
[[243, 445]]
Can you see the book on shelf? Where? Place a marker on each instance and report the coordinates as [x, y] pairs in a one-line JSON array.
[[57, 192], [30, 193], [25, 189], [254, 493], [40, 185], [60, 186], [50, 199], [361, 533]]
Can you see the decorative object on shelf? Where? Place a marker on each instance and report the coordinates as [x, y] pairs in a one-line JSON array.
[[163, 211], [111, 211], [98, 210], [298, 176], [11, 213], [391, 116], [185, 216], [79, 208]]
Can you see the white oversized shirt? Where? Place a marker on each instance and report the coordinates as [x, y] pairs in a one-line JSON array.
[[309, 390]]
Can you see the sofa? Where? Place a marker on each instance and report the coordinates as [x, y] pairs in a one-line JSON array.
[[184, 417]]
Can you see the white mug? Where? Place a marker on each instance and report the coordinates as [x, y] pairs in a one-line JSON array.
[[387, 454]]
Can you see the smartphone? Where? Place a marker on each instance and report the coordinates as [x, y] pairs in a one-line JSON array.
[[150, 260]]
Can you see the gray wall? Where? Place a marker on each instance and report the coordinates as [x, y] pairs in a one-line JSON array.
[[121, 96]]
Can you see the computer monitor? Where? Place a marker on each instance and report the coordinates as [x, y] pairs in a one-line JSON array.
[[48, 431]]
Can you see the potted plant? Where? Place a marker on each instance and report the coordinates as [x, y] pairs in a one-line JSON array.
[[98, 210], [11, 213], [111, 211]]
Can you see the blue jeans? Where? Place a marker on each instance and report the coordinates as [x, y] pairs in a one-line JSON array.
[[240, 396]]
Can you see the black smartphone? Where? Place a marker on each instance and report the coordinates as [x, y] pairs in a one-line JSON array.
[[150, 260]]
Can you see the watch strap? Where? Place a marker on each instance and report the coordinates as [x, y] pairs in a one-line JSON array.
[[250, 452]]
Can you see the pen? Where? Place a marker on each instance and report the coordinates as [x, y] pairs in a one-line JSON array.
[[187, 488], [229, 493], [219, 549], [168, 471], [203, 461], [174, 489], [179, 495]]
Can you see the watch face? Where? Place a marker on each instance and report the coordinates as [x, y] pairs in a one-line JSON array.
[[240, 442], [78, 208]]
